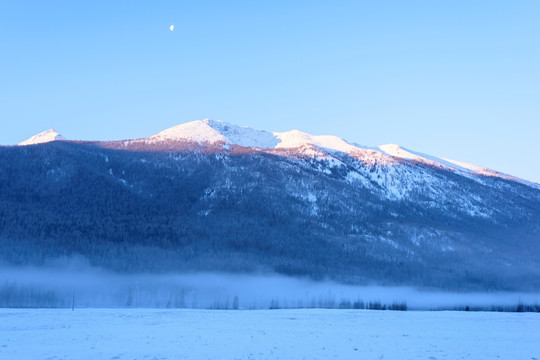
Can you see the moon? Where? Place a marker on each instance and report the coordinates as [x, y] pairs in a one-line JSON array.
[[171, 27]]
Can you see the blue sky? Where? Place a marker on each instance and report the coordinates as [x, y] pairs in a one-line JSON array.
[[456, 79]]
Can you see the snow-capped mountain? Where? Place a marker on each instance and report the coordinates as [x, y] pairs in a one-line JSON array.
[[220, 132], [209, 195], [226, 134], [210, 131], [44, 137]]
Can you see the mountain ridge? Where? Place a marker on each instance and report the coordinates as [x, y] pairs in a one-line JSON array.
[[227, 134], [358, 217]]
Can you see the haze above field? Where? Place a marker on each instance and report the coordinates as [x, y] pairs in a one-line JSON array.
[[82, 286]]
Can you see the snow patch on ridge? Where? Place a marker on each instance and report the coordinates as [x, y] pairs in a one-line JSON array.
[[295, 138], [245, 136], [44, 137], [211, 131], [463, 168], [198, 131], [400, 152]]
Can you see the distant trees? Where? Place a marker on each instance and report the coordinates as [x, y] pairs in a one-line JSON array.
[[15, 296], [358, 304], [274, 304]]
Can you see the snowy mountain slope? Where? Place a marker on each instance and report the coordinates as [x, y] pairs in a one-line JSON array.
[[462, 167], [357, 215], [44, 137], [295, 138], [488, 172], [210, 131], [402, 153], [317, 146], [389, 172], [379, 166], [199, 131]]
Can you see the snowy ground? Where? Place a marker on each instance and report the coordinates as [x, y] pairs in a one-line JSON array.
[[266, 334]]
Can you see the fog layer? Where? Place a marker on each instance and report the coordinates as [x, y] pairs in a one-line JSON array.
[[82, 286]]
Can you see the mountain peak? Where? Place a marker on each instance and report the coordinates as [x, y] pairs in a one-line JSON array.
[[212, 131], [200, 131], [43, 137], [208, 131], [217, 131]]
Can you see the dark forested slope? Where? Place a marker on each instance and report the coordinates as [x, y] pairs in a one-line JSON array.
[[191, 207]]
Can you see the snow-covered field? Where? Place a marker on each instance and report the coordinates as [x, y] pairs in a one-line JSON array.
[[266, 334]]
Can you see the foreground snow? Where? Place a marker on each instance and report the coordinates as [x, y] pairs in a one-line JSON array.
[[265, 334]]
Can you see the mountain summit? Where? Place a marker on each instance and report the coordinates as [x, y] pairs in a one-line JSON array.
[[225, 134], [211, 131], [44, 137]]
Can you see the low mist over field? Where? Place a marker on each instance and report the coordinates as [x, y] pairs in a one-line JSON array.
[[82, 286]]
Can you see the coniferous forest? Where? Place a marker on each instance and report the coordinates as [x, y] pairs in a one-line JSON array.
[[187, 207]]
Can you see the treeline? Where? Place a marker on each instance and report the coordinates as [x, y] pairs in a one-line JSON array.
[[519, 308], [343, 304], [15, 296]]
